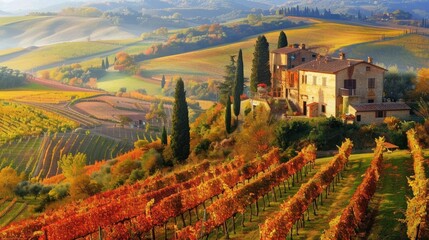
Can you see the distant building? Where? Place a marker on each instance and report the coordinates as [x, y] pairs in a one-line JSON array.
[[325, 86]]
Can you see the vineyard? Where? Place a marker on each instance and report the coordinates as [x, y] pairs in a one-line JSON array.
[[417, 216], [21, 120], [38, 156], [264, 198], [10, 209]]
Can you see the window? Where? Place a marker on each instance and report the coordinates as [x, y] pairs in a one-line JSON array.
[[380, 114], [313, 56], [358, 118], [370, 100], [304, 79], [350, 84], [302, 59], [323, 81], [314, 80], [371, 83], [323, 108], [368, 69]]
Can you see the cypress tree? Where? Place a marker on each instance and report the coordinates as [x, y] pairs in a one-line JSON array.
[[261, 64], [103, 66], [282, 40], [163, 82], [180, 136], [164, 140], [107, 63], [239, 84], [228, 115]]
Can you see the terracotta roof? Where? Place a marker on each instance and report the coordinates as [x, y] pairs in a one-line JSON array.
[[286, 50], [387, 106], [327, 65]]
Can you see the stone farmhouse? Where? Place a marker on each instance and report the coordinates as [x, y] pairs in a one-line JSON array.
[[317, 86]]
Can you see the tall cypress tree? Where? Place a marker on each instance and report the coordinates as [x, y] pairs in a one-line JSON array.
[[164, 140], [107, 63], [228, 115], [282, 40], [163, 82], [180, 136], [103, 66], [239, 83], [261, 64]]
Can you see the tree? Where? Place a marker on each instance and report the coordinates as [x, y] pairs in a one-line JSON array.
[[124, 120], [73, 165], [9, 178], [82, 187], [180, 136], [103, 66], [422, 84], [282, 40], [239, 84], [228, 116], [163, 82], [398, 85], [225, 88], [261, 64], [164, 140], [107, 65]]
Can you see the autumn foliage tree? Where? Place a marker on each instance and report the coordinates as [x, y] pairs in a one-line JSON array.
[[9, 178]]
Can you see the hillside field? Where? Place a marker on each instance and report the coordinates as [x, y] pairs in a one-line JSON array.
[[404, 51], [113, 81], [209, 63]]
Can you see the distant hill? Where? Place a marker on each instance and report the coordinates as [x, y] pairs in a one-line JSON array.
[[49, 30]]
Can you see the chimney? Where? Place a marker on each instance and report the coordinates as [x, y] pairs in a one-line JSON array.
[[369, 59], [342, 56], [302, 46]]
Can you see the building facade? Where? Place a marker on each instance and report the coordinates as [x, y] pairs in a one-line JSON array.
[[327, 86], [283, 59]]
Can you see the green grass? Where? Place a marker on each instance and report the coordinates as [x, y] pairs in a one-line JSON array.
[[57, 53], [113, 81], [404, 51], [9, 20], [209, 63], [390, 198]]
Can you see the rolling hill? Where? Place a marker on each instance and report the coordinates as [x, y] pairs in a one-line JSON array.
[[209, 63], [30, 31]]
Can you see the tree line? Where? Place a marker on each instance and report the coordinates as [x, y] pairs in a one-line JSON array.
[[10, 78]]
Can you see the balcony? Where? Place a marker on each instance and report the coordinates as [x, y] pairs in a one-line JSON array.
[[344, 92]]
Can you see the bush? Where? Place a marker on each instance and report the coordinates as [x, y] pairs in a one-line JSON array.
[[152, 161], [203, 146]]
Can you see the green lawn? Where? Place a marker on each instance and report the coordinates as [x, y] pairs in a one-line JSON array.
[[113, 81]]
